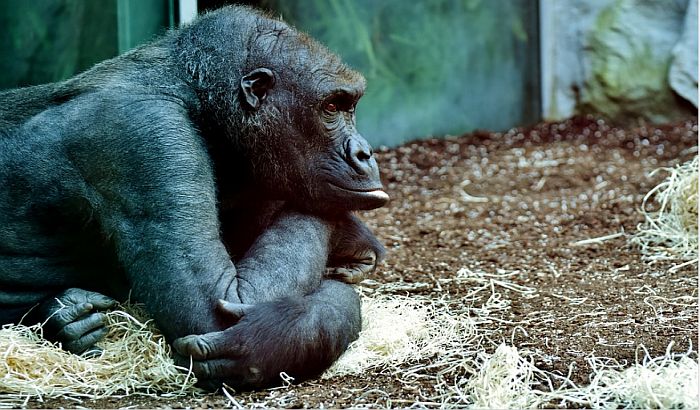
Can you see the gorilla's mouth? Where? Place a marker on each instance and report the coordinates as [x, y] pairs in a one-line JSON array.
[[374, 194]]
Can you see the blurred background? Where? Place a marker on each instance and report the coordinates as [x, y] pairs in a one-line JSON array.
[[434, 67]]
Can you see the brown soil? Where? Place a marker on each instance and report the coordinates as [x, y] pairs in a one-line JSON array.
[[547, 187]]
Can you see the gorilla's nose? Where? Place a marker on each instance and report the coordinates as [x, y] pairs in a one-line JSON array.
[[359, 154]]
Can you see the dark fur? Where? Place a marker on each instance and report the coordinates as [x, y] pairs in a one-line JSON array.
[[108, 183]]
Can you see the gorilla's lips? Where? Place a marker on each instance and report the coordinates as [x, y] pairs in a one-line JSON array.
[[363, 198]]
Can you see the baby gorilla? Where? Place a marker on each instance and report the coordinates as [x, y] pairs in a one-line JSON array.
[[211, 176]]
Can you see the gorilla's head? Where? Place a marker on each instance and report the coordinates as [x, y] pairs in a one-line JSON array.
[[288, 105]]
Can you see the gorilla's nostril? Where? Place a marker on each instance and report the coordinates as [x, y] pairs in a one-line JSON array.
[[359, 155], [359, 149], [363, 155]]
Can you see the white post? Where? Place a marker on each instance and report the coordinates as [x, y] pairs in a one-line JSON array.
[[548, 58], [188, 11]]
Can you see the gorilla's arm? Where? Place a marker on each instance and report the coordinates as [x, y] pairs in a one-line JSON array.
[[291, 257], [287, 260], [280, 277], [147, 177], [159, 210]]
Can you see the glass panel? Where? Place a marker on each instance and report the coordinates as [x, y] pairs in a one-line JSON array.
[[50, 40], [140, 21], [433, 67], [47, 41]]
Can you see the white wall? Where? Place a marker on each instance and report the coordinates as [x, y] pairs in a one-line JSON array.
[[613, 56]]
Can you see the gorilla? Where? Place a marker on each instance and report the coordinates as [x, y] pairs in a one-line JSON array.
[[211, 175]]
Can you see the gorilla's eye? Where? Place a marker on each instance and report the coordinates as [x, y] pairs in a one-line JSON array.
[[330, 107]]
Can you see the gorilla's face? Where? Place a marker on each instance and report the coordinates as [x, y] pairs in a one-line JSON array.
[[309, 151], [345, 172]]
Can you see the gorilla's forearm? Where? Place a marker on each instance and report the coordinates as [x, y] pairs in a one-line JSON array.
[[287, 259], [184, 303]]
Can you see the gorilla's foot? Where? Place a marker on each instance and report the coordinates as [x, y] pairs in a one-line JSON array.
[[74, 319], [354, 271]]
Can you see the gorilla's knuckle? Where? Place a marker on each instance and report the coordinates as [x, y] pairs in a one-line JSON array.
[[63, 316], [73, 295], [201, 347]]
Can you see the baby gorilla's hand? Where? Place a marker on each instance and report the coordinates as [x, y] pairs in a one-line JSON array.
[[73, 318]]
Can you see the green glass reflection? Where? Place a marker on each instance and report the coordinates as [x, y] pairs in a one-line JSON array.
[[47, 41], [50, 40], [433, 67], [139, 21]]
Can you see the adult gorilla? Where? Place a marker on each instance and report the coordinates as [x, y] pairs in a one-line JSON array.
[[108, 185]]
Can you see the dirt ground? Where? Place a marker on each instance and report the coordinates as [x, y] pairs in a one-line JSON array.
[[519, 201]]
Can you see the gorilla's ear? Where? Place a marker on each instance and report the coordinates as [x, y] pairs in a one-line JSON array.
[[255, 86]]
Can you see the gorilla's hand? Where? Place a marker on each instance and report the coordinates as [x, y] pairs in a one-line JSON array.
[[355, 251], [73, 318], [298, 336], [227, 356], [255, 349]]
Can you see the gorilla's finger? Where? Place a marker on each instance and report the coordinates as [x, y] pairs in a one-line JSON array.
[[235, 310], [207, 346], [216, 369], [356, 269], [77, 329], [75, 296], [101, 302], [193, 345], [211, 373], [68, 314], [86, 341]]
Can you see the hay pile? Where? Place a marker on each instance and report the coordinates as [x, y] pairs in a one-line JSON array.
[[414, 339], [136, 360], [670, 227], [507, 379], [409, 337], [666, 382]]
